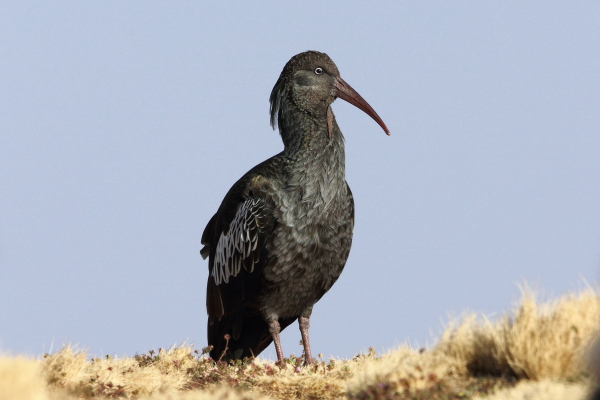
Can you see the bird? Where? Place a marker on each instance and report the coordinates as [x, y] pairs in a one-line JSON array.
[[283, 232]]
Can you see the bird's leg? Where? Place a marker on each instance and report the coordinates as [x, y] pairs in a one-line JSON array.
[[274, 329], [304, 325]]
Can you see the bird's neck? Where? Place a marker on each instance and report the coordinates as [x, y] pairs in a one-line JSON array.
[[315, 162]]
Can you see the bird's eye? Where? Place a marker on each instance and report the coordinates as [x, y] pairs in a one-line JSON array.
[[318, 70]]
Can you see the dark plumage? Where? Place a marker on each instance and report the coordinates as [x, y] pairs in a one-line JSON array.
[[282, 234]]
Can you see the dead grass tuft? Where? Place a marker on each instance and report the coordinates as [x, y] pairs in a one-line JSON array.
[[404, 370], [536, 341], [113, 377]]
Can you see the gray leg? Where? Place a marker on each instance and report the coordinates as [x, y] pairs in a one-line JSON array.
[[304, 325], [274, 329]]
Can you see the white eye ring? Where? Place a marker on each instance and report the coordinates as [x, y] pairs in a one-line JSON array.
[[318, 70]]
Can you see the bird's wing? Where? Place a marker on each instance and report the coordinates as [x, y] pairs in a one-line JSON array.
[[234, 240]]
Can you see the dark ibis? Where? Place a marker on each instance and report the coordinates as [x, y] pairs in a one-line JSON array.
[[282, 234]]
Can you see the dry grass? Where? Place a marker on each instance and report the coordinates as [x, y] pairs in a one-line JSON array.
[[536, 341], [540, 390], [534, 352], [21, 378]]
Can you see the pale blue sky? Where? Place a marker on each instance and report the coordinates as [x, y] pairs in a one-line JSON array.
[[123, 125]]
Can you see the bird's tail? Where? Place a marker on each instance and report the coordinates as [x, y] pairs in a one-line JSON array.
[[248, 336]]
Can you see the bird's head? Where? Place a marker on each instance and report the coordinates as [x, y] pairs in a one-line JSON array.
[[311, 81]]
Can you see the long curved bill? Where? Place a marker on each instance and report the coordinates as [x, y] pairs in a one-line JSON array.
[[345, 92]]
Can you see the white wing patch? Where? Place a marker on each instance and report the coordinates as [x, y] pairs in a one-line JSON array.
[[238, 246]]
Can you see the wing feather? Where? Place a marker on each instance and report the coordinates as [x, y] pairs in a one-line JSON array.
[[237, 247]]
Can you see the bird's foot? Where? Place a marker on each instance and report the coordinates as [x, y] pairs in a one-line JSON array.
[[310, 361], [304, 362]]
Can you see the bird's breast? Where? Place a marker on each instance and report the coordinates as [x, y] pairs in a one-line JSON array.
[[314, 235], [309, 248]]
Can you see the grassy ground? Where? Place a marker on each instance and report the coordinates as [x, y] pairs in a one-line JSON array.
[[536, 351]]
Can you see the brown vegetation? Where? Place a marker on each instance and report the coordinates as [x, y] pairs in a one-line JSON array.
[[534, 352]]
